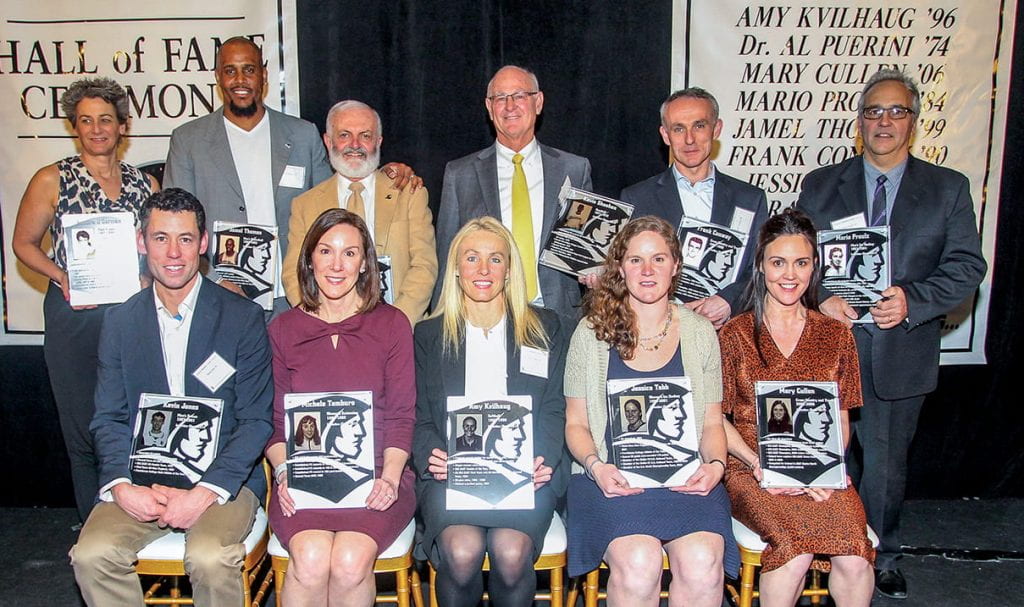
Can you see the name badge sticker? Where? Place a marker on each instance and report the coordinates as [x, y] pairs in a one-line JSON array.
[[533, 362], [741, 220], [857, 220], [293, 177], [214, 372]]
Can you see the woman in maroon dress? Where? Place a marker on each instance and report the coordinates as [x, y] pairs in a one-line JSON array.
[[343, 337], [781, 337]]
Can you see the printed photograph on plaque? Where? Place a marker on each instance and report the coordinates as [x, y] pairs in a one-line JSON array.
[[329, 447], [711, 258], [653, 431], [583, 230], [246, 255], [174, 439], [102, 259], [490, 453], [800, 438], [855, 266]]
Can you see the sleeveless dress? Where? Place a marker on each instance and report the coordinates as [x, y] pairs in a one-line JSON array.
[[596, 520], [72, 337]]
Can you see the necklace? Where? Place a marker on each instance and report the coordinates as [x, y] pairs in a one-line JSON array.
[[660, 337]]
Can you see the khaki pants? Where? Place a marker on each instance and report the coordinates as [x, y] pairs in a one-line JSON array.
[[104, 557]]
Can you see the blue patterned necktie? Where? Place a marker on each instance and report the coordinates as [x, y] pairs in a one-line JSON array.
[[878, 216]]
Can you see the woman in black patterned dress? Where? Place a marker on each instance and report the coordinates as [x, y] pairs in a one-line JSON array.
[[94, 181]]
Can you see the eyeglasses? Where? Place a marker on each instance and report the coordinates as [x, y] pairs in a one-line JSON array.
[[516, 97], [896, 112]]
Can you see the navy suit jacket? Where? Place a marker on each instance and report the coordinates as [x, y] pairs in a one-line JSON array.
[[439, 376], [659, 196], [935, 257], [470, 190], [131, 362]]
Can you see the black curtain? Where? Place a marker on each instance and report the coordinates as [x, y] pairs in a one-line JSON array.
[[604, 68]]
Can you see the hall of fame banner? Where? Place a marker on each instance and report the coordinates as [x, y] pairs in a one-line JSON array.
[[800, 435], [583, 230], [855, 265], [174, 439], [653, 431], [162, 54], [490, 453], [247, 255], [711, 258], [329, 448], [788, 76]]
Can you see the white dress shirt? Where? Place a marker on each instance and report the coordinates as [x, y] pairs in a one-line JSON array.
[[486, 362], [696, 198], [369, 196], [533, 167]]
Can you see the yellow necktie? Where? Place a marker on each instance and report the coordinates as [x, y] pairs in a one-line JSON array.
[[355, 199], [522, 225]]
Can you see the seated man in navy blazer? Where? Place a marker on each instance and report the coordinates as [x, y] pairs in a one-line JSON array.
[[181, 337], [694, 187]]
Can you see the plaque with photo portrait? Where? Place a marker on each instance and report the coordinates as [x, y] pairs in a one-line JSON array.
[[490, 453], [855, 266], [583, 230], [653, 432], [174, 439], [711, 258], [247, 255], [800, 437], [329, 448], [102, 258]]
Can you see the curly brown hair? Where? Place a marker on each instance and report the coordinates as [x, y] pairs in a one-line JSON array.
[[605, 306]]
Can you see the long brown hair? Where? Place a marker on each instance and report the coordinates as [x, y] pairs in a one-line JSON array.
[[790, 222], [368, 283], [605, 306]]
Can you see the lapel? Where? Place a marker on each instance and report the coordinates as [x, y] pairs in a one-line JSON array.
[[517, 382], [851, 190], [667, 195], [280, 149], [201, 336], [486, 166], [385, 199], [150, 351], [554, 177], [220, 151], [453, 368], [907, 198], [722, 204]]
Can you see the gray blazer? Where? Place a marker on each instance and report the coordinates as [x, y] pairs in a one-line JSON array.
[[199, 160], [471, 190], [659, 196], [936, 259]]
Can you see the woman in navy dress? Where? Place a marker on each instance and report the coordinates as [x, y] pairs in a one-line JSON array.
[[631, 330]]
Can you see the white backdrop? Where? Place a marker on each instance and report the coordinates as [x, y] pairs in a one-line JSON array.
[[163, 53], [787, 77]]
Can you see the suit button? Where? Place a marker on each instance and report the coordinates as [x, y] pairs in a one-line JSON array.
[[241, 209]]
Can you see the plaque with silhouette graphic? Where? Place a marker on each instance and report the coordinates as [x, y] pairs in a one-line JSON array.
[[800, 434], [855, 266], [490, 453], [653, 431], [329, 447], [102, 259], [583, 230], [246, 255], [174, 440], [711, 258]]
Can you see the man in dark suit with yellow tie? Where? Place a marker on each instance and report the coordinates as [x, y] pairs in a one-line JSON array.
[[516, 180]]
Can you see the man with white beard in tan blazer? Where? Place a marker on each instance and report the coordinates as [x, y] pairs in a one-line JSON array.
[[399, 220]]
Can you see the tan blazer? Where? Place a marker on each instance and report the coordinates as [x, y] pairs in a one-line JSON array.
[[402, 229]]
